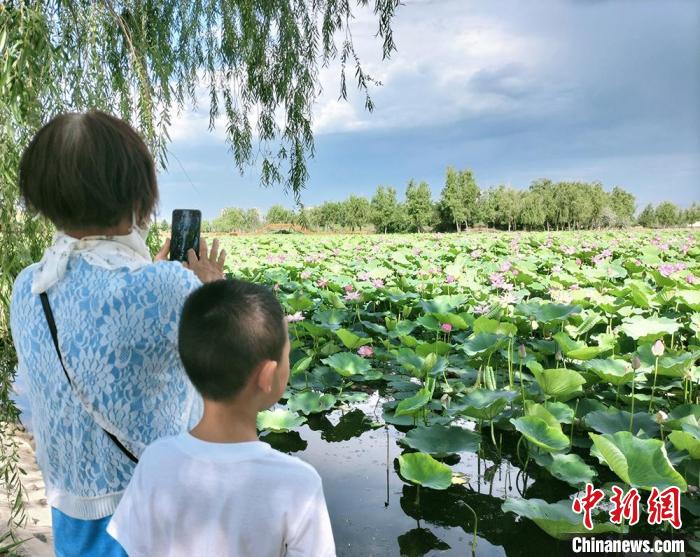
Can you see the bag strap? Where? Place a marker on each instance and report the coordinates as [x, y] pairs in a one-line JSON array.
[[54, 336]]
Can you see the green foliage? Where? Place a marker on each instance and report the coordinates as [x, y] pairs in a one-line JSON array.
[[457, 205], [277, 214], [385, 208], [233, 219], [419, 207]]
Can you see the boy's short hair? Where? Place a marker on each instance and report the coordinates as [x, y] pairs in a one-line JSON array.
[[88, 169], [227, 328]]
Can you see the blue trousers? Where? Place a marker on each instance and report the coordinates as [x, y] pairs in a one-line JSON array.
[[73, 537]]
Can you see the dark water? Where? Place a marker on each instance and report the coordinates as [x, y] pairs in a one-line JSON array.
[[375, 513]]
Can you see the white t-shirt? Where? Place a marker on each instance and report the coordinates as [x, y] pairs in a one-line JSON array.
[[191, 497]]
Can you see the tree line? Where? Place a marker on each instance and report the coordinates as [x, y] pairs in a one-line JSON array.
[[545, 205]]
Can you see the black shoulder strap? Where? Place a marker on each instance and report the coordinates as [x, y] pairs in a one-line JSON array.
[[54, 336]]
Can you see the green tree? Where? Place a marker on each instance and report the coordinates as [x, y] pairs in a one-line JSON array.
[[356, 212], [533, 213], [458, 198], [327, 216], [623, 204], [667, 214], [277, 214], [385, 210], [647, 217], [691, 214], [251, 220], [507, 203], [230, 220], [419, 206], [486, 208]]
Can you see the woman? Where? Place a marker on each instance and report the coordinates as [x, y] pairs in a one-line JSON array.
[[116, 316]]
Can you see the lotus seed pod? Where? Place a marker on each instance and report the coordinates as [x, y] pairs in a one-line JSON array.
[[658, 348], [636, 362], [534, 325], [521, 351]]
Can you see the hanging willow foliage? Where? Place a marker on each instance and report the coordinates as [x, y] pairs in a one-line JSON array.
[[145, 60]]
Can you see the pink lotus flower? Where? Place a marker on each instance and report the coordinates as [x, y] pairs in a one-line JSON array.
[[666, 269], [508, 298], [417, 251], [348, 288], [305, 275], [690, 279], [658, 348], [365, 351], [378, 283], [446, 327], [482, 308], [298, 316], [505, 266], [322, 283], [363, 276], [449, 279], [276, 287], [352, 296], [476, 254], [578, 261]]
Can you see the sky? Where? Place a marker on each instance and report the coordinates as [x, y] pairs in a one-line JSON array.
[[586, 90]]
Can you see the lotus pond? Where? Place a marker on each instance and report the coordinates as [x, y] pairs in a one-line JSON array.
[[456, 392]]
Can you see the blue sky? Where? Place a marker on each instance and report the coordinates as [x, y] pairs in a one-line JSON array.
[[603, 90]]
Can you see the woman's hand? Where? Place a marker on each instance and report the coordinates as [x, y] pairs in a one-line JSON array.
[[208, 268], [164, 252]]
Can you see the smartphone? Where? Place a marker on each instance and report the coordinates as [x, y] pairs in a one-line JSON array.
[[185, 230]]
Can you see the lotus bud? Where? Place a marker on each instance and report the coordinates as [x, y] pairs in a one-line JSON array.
[[688, 375], [521, 351], [446, 327], [658, 348], [558, 356], [636, 362], [534, 325], [445, 400], [660, 417]]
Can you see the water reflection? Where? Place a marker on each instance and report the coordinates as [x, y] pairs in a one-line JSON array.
[[374, 512], [289, 442]]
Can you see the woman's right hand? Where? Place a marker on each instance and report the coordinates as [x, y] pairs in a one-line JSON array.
[[209, 267]]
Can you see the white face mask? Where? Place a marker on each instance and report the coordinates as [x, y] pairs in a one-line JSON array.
[[142, 232]]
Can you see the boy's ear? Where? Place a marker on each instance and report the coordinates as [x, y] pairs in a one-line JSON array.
[[266, 376]]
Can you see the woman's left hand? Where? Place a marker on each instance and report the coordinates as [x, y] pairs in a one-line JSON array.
[[164, 252]]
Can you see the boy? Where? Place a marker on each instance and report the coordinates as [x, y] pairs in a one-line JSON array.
[[218, 490]]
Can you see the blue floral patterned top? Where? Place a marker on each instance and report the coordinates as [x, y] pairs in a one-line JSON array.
[[117, 332]]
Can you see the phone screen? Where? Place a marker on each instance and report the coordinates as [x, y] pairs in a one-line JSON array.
[[185, 228]]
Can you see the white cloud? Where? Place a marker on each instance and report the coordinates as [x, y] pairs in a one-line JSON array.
[[450, 64], [437, 75]]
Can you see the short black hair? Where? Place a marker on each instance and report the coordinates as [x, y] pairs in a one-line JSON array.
[[88, 169], [227, 328]]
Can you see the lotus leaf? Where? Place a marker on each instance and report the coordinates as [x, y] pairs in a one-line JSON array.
[[423, 469], [279, 419], [545, 435], [557, 519], [640, 463], [441, 440]]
